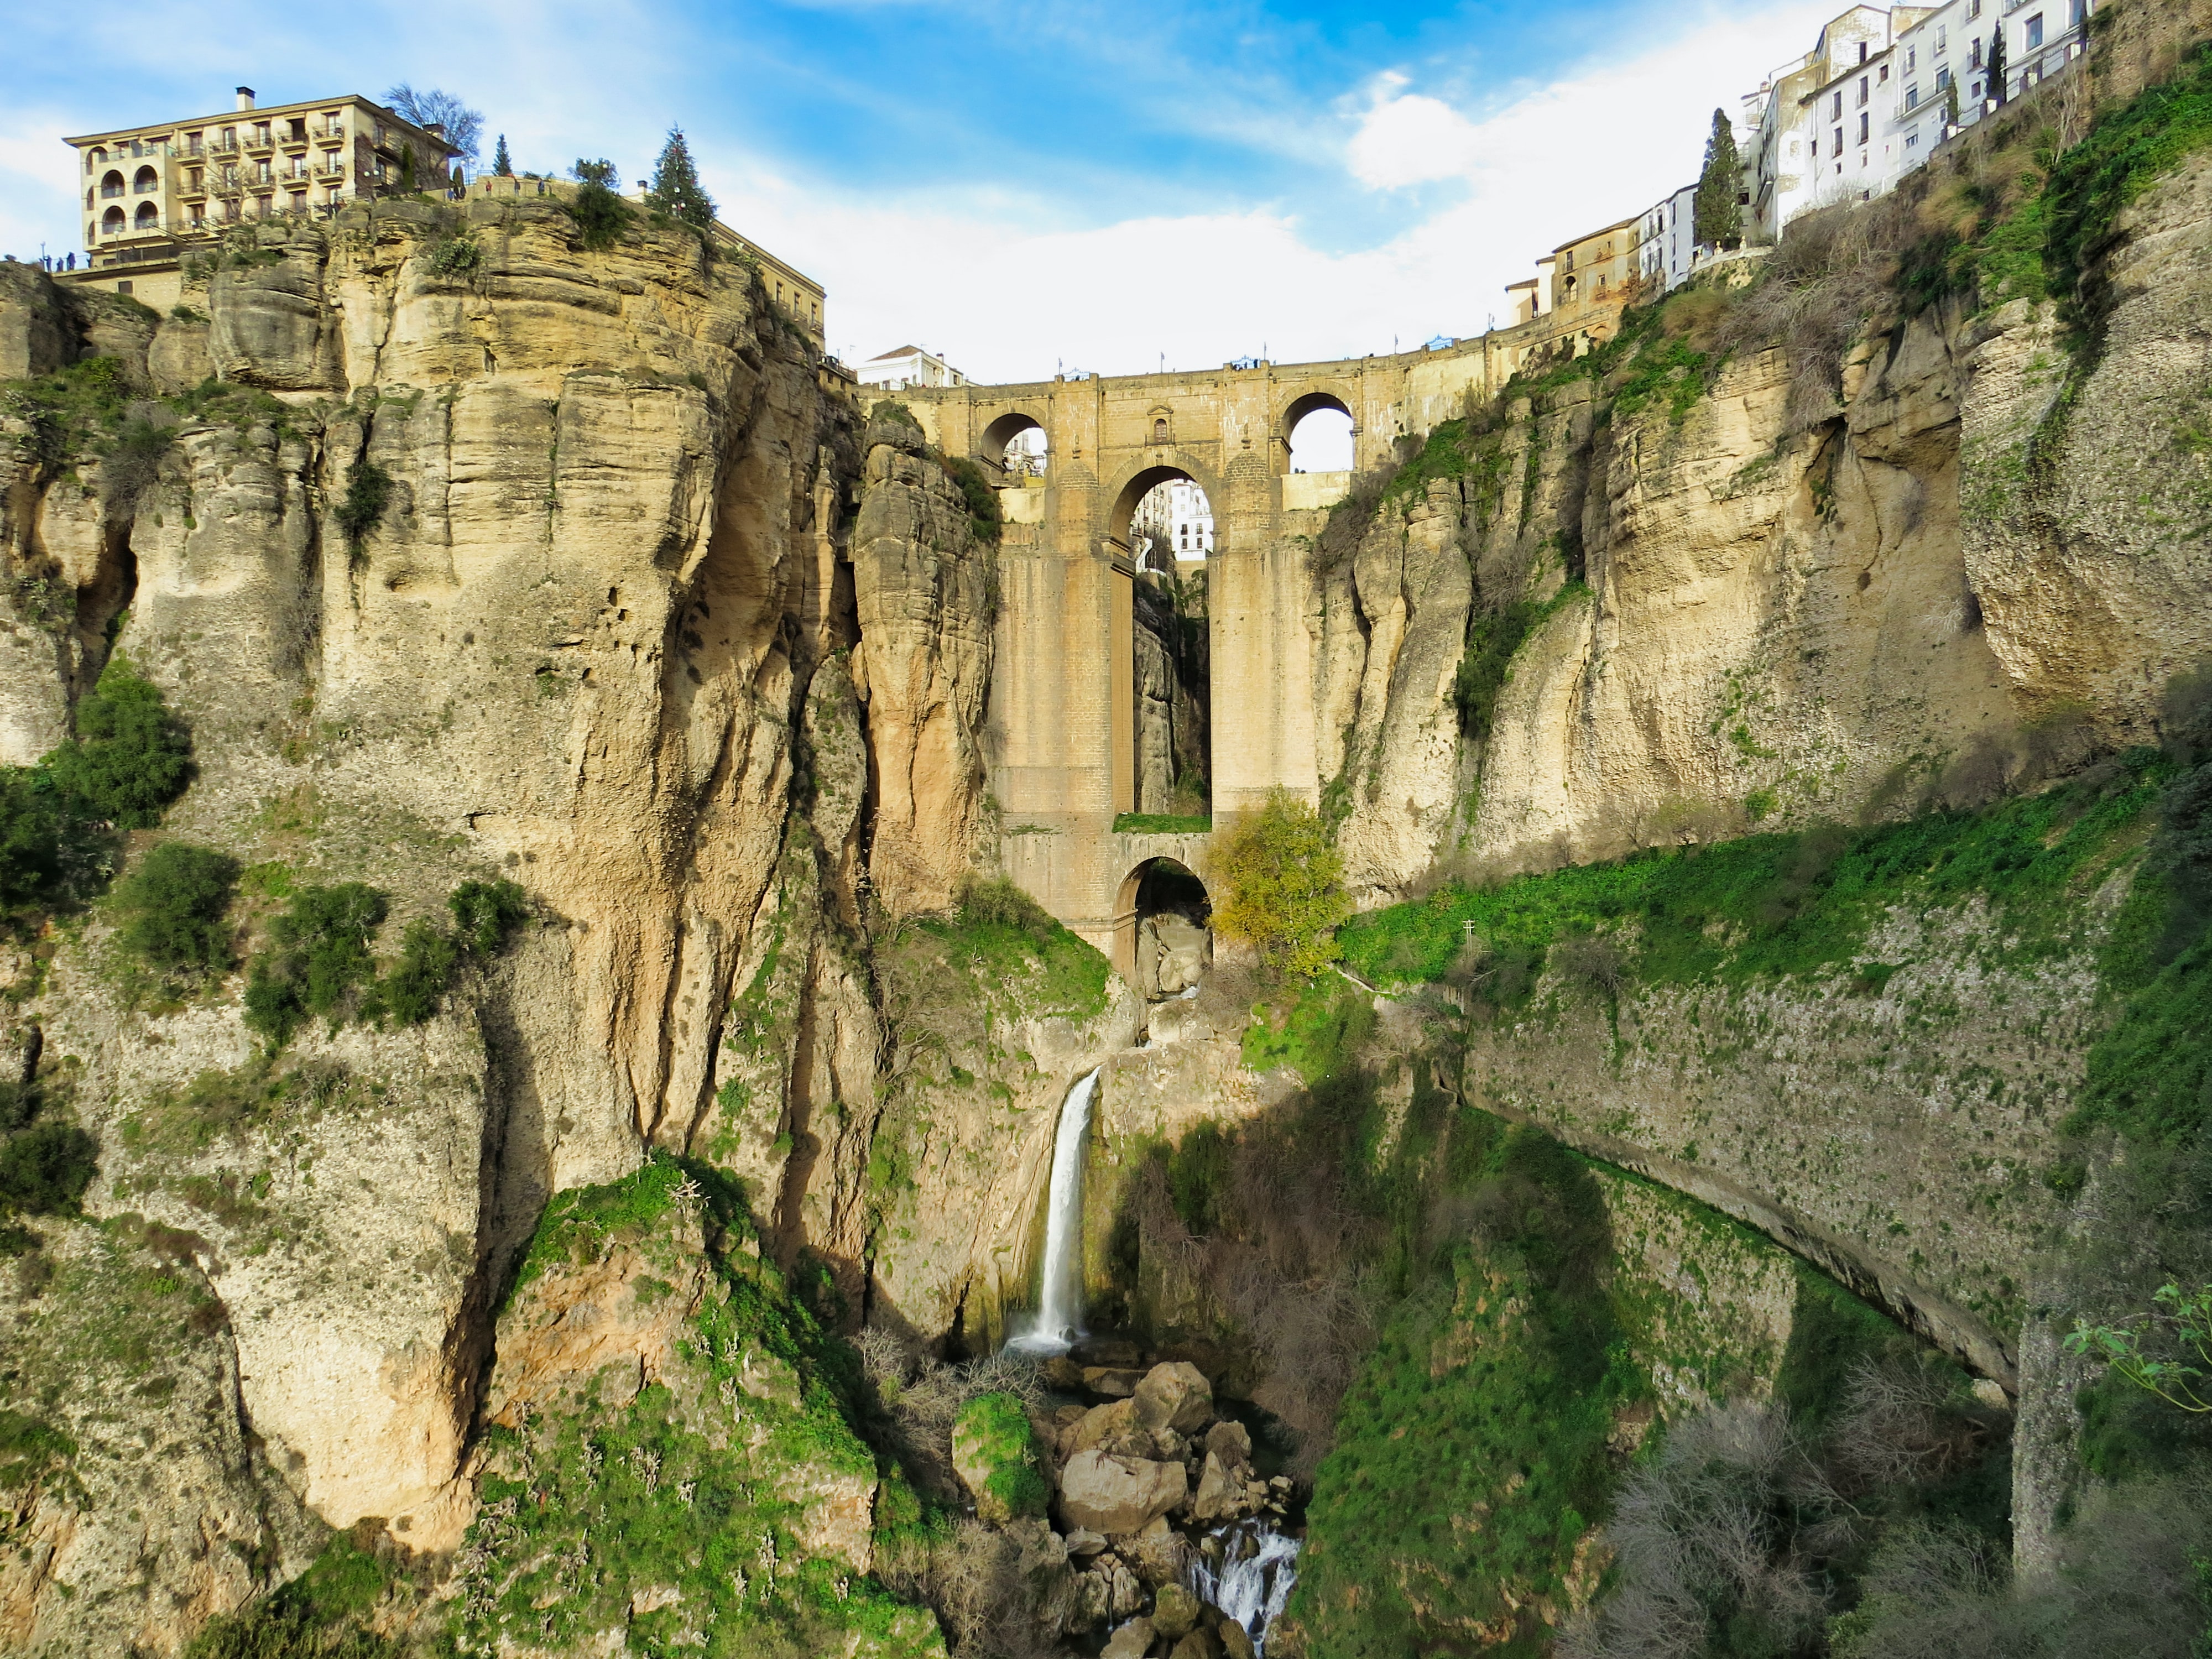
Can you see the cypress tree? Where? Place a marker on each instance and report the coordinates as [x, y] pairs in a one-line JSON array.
[[677, 191], [1996, 73], [500, 163], [1716, 214]]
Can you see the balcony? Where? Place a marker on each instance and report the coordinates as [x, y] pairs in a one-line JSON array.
[[259, 143], [223, 147], [331, 171]]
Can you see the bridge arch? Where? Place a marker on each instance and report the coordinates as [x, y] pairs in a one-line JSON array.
[[1005, 429], [1306, 403], [1163, 936], [1139, 480]]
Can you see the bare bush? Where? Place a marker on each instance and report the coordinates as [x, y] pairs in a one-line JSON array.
[[2127, 1588], [1900, 1422], [979, 1587], [1706, 1534], [926, 1406], [1588, 959], [1814, 297], [1976, 775]]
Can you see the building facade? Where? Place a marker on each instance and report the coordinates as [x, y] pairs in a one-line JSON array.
[[152, 190], [1666, 248], [1174, 517], [1594, 273], [907, 366]]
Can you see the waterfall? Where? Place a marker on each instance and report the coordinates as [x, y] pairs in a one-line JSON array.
[[1058, 1322], [1251, 1584]]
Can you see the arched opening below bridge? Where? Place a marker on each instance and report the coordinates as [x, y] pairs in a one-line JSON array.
[[1167, 523], [1166, 917], [1318, 429], [1017, 443]]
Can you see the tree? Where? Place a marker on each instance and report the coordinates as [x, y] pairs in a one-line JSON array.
[[600, 172], [1996, 72], [1282, 885], [500, 162], [462, 125], [676, 188], [601, 215], [1716, 211]]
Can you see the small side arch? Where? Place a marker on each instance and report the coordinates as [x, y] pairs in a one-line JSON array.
[[149, 217], [1164, 938], [111, 223], [145, 182], [111, 185]]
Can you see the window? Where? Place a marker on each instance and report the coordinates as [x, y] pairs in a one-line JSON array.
[[1160, 430], [1840, 142], [1973, 9], [1941, 43], [122, 287], [145, 182], [111, 223], [111, 185], [1912, 139], [1974, 54], [1862, 129], [149, 216], [1911, 97], [1862, 92], [96, 160], [1884, 77], [1912, 57], [1835, 109], [1863, 52], [2034, 33], [298, 134]]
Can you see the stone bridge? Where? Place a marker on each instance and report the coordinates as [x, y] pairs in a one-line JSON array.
[[1061, 743]]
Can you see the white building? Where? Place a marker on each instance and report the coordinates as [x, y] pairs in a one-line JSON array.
[[1667, 241], [908, 366], [1874, 97], [1175, 515]]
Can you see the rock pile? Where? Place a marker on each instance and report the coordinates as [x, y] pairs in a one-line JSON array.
[[1132, 1479]]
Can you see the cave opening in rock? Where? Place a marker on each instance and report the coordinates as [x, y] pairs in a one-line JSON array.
[[1175, 938]]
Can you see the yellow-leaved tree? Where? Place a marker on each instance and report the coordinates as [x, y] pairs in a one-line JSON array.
[[1279, 886]]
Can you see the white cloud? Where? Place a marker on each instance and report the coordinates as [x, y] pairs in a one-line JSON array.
[[1406, 138]]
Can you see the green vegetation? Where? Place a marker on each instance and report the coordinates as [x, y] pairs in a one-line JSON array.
[[601, 215], [677, 193], [999, 1429], [1784, 904], [1716, 214], [594, 1513], [319, 955], [1002, 933], [368, 494], [173, 907], [46, 1161], [2186, 1317], [131, 757], [1162, 824], [321, 1614], [28, 1447], [986, 518], [319, 960], [1492, 637], [1280, 884]]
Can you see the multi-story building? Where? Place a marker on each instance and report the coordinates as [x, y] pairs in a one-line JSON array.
[[1175, 518], [1666, 248], [1881, 88], [150, 192], [910, 365], [1594, 273]]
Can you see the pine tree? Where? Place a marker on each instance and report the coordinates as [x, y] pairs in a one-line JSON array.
[[1716, 214], [1996, 72], [676, 188], [500, 162]]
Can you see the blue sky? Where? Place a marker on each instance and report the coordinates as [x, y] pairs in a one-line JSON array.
[[1026, 188]]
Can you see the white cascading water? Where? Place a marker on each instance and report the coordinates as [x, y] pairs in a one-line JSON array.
[[1252, 1582], [1058, 1322]]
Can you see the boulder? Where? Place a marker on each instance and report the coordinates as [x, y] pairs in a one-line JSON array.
[[1083, 1543], [1158, 1554], [1132, 1641], [1231, 1442], [1098, 1425], [1177, 1611], [1061, 1372], [1199, 1645], [1118, 1496], [1236, 1643], [1111, 1381], [1222, 1494], [1175, 1395]]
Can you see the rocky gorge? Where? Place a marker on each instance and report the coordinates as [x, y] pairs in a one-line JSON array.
[[532, 1119]]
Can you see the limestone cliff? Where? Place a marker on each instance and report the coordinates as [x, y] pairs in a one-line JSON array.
[[467, 552]]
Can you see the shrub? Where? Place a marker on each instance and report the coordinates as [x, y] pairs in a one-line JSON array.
[[1492, 637], [456, 257], [319, 951], [601, 215], [369, 492], [174, 903], [30, 839], [486, 912], [985, 518], [45, 1168], [1282, 886], [410, 993], [131, 757]]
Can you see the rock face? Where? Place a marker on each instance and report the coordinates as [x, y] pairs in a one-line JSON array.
[[575, 570]]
